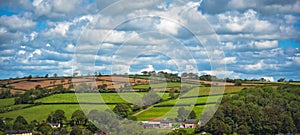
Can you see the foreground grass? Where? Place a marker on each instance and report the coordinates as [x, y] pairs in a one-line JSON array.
[[7, 102], [41, 112]]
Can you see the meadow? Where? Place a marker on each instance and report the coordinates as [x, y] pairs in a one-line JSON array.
[[191, 101], [167, 112], [97, 97], [7, 102], [41, 112]]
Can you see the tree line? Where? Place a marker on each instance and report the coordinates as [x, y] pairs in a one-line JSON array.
[[259, 110]]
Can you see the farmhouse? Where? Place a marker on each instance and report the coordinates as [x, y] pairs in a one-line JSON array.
[[191, 123], [54, 125], [157, 123]]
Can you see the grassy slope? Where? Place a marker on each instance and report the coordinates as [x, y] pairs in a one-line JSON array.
[[167, 112], [41, 112], [7, 102], [96, 97], [190, 100]]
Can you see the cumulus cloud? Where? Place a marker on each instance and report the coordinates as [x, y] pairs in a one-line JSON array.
[[44, 33], [16, 23]]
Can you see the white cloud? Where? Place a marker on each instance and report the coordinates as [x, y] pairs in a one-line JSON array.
[[60, 29], [21, 52], [17, 23], [255, 67], [270, 79], [266, 44], [70, 48], [149, 68], [37, 51], [166, 26]]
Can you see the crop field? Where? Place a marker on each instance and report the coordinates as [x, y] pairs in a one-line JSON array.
[[167, 112], [41, 112]]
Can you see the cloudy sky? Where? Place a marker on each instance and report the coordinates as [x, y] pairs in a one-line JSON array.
[[234, 38]]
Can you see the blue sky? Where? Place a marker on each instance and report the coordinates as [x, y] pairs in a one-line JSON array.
[[251, 38]]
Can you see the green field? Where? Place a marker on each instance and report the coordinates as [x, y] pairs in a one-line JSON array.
[[97, 97], [41, 112], [7, 102], [190, 100], [213, 90], [167, 112]]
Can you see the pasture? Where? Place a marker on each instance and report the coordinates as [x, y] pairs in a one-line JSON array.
[[41, 112]]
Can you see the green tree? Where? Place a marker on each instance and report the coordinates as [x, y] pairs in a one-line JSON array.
[[122, 109], [29, 77], [281, 80], [57, 117], [182, 114], [20, 123], [79, 117], [45, 129], [76, 131], [192, 115], [178, 132]]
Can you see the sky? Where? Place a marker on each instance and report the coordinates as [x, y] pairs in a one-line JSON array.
[[228, 38]]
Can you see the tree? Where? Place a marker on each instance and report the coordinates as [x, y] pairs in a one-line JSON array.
[[29, 77], [57, 117], [238, 82], [182, 114], [243, 130], [46, 76], [172, 94], [20, 123], [151, 98], [79, 117], [281, 80], [178, 132], [76, 131], [122, 109], [55, 75], [192, 115], [144, 72], [45, 129]]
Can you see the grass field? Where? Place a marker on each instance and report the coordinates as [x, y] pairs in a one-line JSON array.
[[217, 90], [41, 112], [167, 112], [97, 97], [7, 102], [190, 100]]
